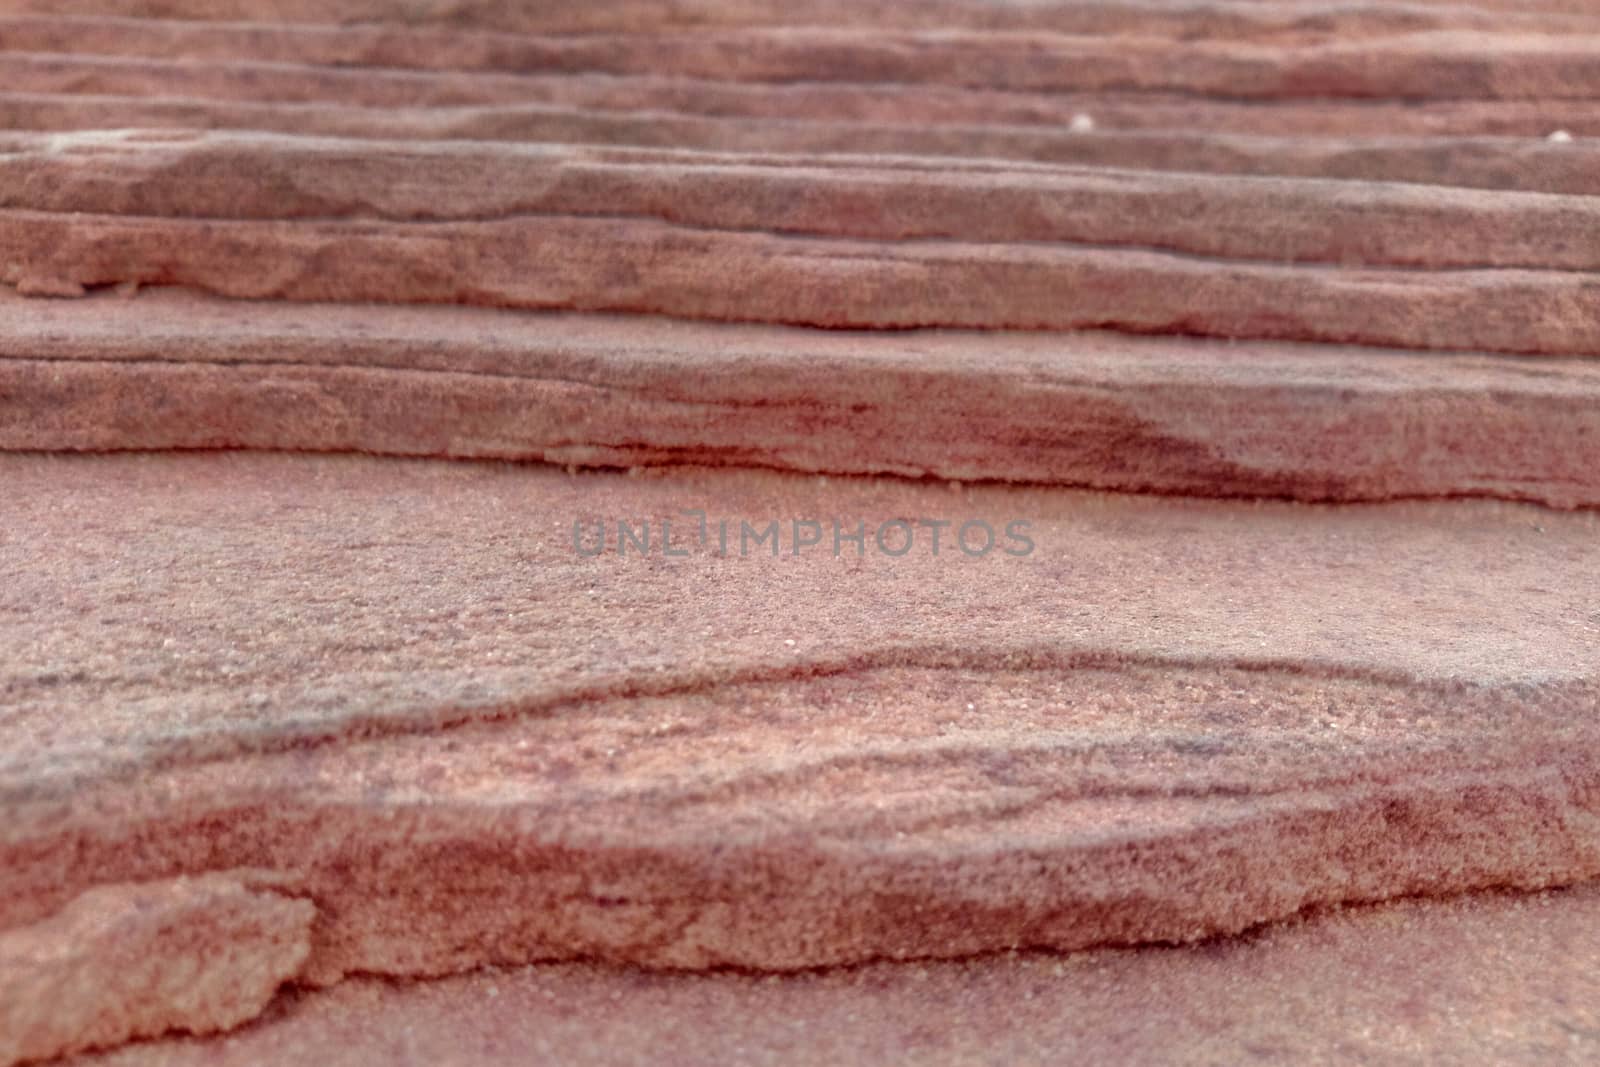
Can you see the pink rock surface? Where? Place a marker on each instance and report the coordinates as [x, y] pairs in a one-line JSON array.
[[1492, 979], [1176, 415], [399, 688], [896, 120], [284, 734], [841, 246], [598, 264], [1233, 217], [1227, 19], [124, 961], [1454, 65]]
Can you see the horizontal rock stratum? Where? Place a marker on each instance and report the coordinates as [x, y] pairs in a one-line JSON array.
[[1468, 980], [842, 245], [407, 693], [1100, 410], [934, 534]]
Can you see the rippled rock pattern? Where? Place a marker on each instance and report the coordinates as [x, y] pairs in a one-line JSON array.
[[961, 532]]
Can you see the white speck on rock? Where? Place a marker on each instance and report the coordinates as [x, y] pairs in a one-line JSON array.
[[1560, 137], [1081, 123]]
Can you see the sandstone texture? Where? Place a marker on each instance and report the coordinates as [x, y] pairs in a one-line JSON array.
[[126, 961], [851, 245], [1474, 980], [402, 690], [169, 370], [737, 531]]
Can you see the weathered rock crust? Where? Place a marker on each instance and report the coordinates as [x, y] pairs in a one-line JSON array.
[[168, 370]]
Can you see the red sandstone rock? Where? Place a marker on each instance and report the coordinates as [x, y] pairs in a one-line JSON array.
[[1451, 65], [832, 245], [1227, 19], [168, 370], [273, 723], [253, 177], [1486, 979], [887, 119], [124, 961], [602, 264], [401, 689]]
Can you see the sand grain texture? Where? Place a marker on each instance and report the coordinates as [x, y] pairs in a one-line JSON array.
[[943, 533], [1457, 982]]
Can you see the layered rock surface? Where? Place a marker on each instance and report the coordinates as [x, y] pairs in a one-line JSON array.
[[406, 692], [1468, 981], [848, 245], [1100, 410], [688, 486]]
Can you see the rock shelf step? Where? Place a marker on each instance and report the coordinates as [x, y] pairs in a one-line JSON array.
[[407, 692], [960, 532], [174, 370], [1503, 979]]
